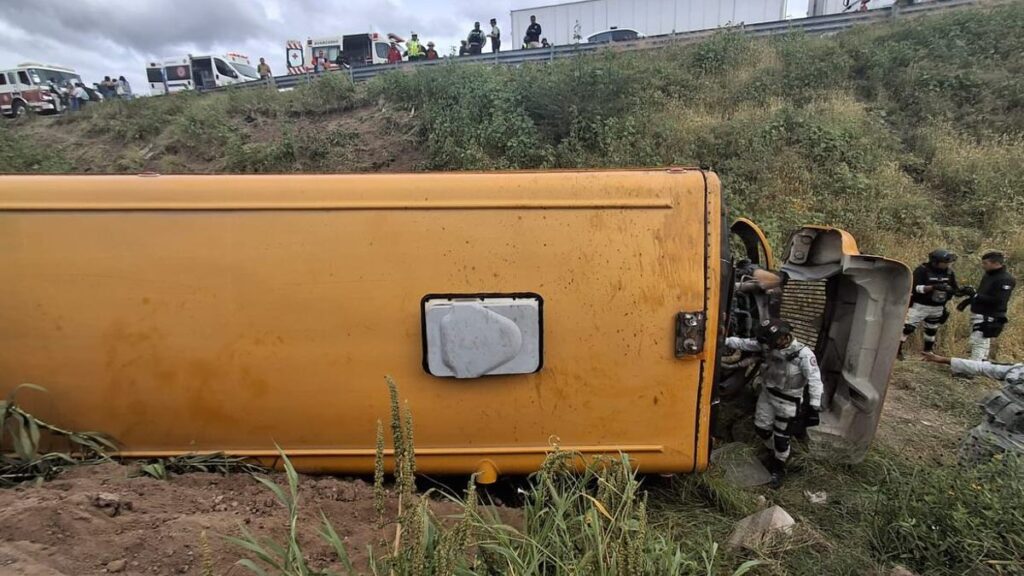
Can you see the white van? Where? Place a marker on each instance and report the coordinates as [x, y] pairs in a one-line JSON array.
[[199, 72], [356, 50]]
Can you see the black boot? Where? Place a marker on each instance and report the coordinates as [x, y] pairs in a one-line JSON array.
[[777, 469]]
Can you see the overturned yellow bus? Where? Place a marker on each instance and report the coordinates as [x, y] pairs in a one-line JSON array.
[[232, 313]]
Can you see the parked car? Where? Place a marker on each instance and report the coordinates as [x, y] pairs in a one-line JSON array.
[[614, 34]]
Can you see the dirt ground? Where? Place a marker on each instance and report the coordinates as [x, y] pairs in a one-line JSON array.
[[57, 529]]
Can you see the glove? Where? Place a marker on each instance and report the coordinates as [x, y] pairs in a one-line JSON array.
[[966, 291], [745, 267], [964, 303], [943, 287], [813, 417]]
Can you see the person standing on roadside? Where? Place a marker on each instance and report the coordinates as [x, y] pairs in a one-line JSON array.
[[495, 36], [79, 97], [104, 88], [124, 89], [263, 69], [431, 53], [989, 304], [476, 39], [464, 49], [413, 48], [533, 32], [394, 54]]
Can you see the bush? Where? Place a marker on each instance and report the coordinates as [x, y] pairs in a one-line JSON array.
[[330, 93], [294, 151], [134, 120]]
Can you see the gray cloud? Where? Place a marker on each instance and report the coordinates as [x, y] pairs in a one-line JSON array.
[[144, 27]]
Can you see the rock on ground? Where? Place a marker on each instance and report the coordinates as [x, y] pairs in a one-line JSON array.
[[740, 465], [751, 531]]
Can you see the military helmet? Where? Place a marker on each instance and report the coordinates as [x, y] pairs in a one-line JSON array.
[[771, 331], [941, 255]]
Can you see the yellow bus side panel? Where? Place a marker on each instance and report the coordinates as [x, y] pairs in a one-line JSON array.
[[230, 313]]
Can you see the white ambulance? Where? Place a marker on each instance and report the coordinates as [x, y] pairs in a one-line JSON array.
[[35, 87], [356, 50], [193, 72]]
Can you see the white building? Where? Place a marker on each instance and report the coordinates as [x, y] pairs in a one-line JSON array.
[[562, 23]]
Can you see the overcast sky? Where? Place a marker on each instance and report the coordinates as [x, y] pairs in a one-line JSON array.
[[118, 37]]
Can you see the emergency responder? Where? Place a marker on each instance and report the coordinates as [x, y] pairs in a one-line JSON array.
[[413, 48], [1012, 374], [789, 368], [989, 304], [476, 39], [934, 284]]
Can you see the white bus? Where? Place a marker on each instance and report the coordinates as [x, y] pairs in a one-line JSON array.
[[203, 72]]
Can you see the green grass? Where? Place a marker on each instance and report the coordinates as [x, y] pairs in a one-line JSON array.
[[30, 448], [580, 516]]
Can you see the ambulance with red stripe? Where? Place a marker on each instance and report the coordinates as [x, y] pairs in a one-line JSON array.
[[356, 50], [203, 72], [32, 87]]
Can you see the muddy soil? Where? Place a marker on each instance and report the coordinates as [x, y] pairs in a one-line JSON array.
[[105, 519]]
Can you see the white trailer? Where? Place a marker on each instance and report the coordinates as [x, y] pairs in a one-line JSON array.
[[570, 22]]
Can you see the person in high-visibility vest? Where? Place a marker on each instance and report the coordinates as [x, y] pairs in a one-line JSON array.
[[413, 48]]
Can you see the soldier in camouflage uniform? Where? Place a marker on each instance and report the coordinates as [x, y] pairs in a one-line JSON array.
[[1002, 429]]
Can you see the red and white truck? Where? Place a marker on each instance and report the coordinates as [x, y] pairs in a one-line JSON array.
[[34, 87]]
